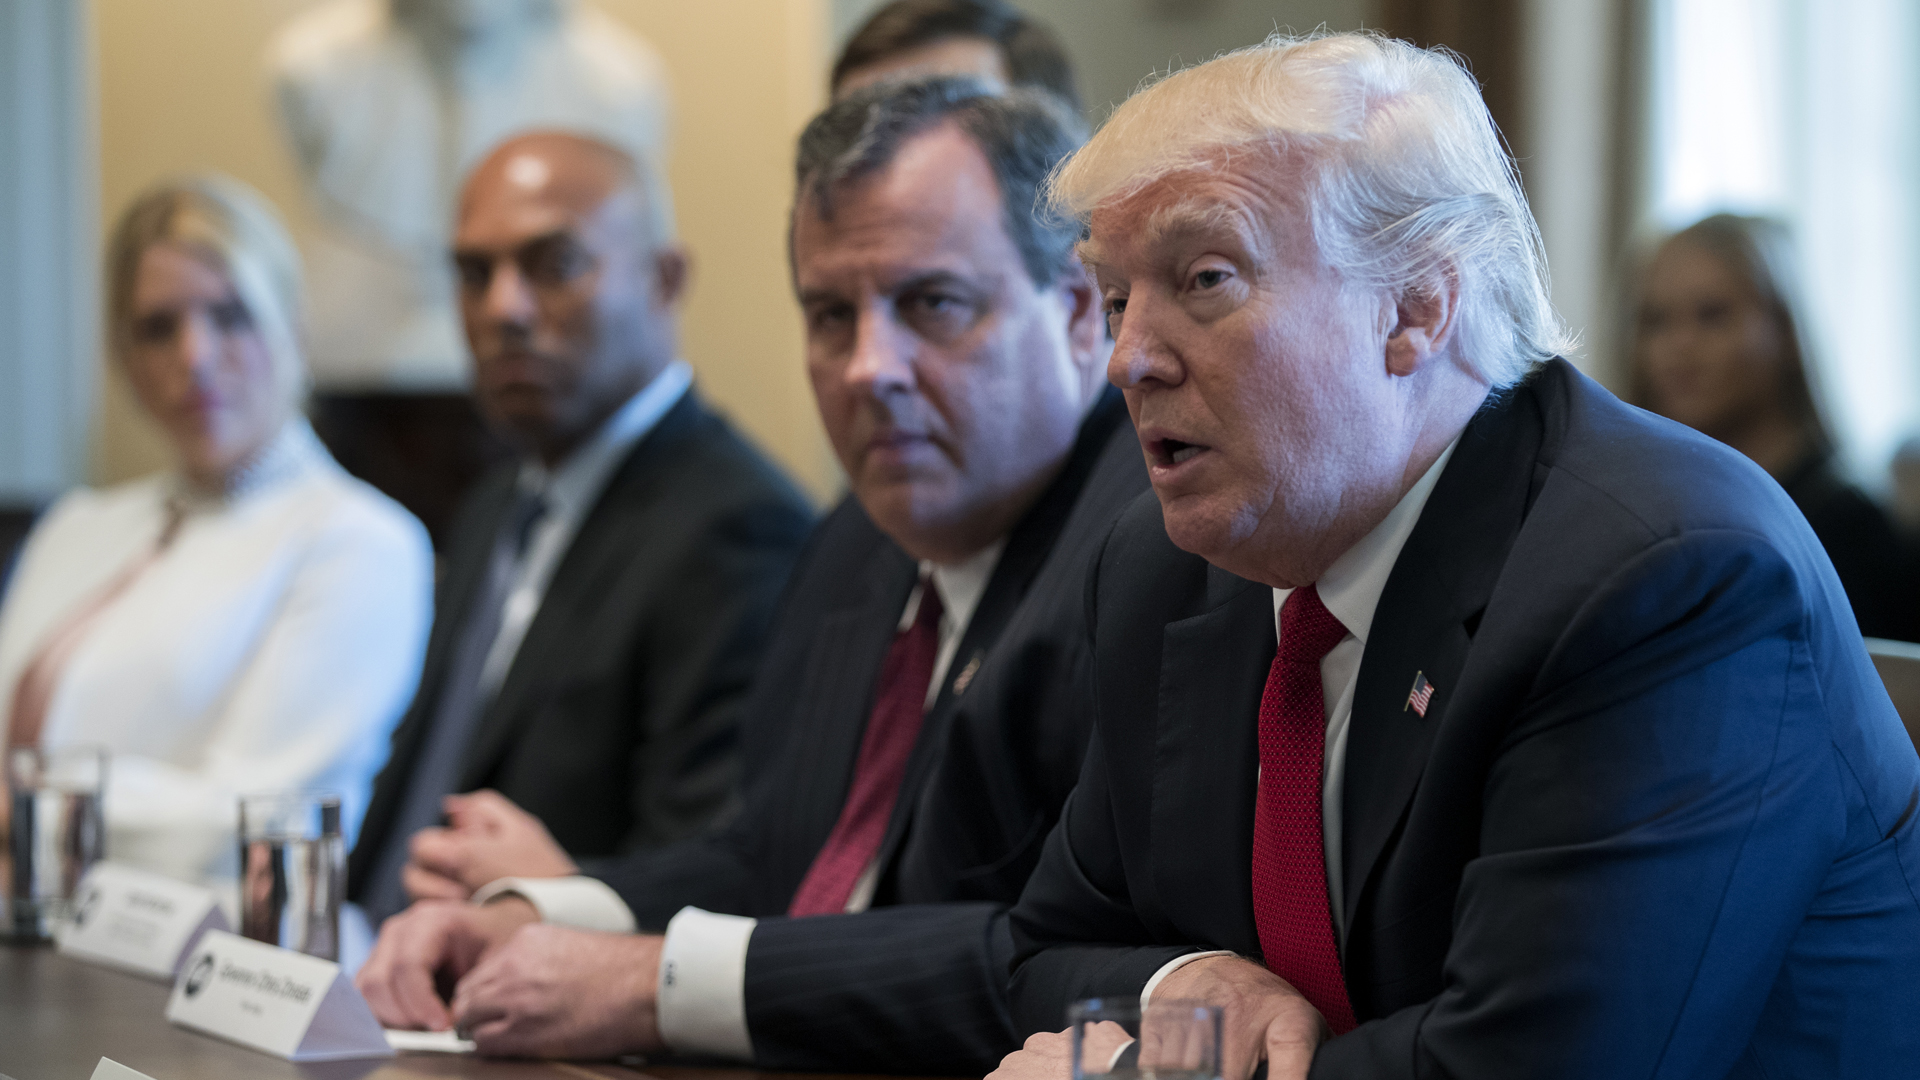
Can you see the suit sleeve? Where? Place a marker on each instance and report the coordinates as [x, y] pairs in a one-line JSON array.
[[713, 871], [698, 665], [1075, 929], [915, 988], [1657, 822]]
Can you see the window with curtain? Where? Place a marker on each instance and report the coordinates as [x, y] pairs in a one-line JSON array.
[[1809, 111]]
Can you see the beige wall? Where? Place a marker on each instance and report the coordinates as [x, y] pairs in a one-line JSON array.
[[182, 87]]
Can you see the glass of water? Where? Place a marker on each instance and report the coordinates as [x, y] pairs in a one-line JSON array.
[[55, 832], [1116, 1039], [293, 871]]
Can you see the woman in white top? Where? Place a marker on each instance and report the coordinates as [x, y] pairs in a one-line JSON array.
[[251, 620]]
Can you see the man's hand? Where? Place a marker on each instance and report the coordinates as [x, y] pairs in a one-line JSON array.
[[428, 947], [487, 838], [555, 992], [1266, 1019], [1047, 1055]]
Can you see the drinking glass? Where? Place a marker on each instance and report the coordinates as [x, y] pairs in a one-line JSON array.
[[1116, 1039], [55, 832], [293, 871]]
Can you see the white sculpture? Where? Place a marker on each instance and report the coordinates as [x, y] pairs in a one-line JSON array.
[[387, 104]]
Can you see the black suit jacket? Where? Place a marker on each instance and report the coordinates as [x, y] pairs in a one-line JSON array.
[[1658, 819], [617, 723], [917, 984]]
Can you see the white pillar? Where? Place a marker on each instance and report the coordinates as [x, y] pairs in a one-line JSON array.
[[49, 247]]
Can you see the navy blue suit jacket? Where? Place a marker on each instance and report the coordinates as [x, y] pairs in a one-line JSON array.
[[1658, 821]]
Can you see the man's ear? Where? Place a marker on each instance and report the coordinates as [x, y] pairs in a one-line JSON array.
[[1423, 324], [671, 268], [1086, 322]]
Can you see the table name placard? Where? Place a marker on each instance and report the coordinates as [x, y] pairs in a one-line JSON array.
[[137, 921], [276, 1000]]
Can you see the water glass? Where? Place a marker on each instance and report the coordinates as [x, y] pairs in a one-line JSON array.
[[293, 871], [55, 833], [1116, 1039]]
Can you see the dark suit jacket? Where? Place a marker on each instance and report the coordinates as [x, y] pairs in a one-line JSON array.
[[917, 984], [1658, 820], [618, 722]]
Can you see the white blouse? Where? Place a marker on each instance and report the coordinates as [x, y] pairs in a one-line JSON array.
[[272, 646]]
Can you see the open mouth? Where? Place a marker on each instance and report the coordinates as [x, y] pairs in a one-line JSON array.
[[1174, 451]]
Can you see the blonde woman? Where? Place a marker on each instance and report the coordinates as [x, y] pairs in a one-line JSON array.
[[250, 619], [1720, 344]]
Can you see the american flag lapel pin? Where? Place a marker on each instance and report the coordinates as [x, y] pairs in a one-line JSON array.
[[965, 678], [1421, 695]]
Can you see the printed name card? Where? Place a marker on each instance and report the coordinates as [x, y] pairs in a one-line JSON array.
[[272, 999], [109, 1069], [138, 921]]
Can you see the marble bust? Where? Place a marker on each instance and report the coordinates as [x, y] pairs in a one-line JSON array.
[[386, 104]]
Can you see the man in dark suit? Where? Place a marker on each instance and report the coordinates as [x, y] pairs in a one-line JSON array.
[[1452, 717], [854, 916], [606, 599]]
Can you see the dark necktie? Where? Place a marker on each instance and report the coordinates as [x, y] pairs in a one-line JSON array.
[[899, 707], [436, 768], [1290, 905]]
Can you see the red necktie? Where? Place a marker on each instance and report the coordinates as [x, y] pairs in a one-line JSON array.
[[1289, 854], [893, 726]]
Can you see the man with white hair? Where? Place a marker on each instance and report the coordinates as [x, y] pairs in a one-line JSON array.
[[1569, 761]]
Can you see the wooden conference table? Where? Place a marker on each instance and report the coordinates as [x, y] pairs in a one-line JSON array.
[[59, 1017]]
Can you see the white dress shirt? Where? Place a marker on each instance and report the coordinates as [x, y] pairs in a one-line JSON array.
[[1351, 590], [702, 1007], [569, 494], [272, 646]]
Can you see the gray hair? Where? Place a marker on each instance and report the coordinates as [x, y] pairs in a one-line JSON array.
[[235, 230], [1407, 184], [1022, 133]]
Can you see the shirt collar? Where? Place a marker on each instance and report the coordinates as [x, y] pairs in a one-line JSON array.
[[568, 488], [289, 454], [960, 584], [1351, 587]]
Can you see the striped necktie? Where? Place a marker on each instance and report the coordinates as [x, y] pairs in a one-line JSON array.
[[893, 727]]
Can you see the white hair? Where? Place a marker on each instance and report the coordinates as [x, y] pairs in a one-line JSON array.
[[1407, 185]]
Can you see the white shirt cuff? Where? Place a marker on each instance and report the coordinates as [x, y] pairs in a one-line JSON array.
[[702, 1008], [1173, 965], [583, 903]]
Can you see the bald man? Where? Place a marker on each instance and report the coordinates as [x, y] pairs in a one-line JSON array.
[[605, 598]]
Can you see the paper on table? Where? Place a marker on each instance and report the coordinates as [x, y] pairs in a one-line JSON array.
[[435, 1042], [109, 1069]]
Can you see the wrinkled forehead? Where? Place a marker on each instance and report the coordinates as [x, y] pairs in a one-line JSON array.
[[1251, 199]]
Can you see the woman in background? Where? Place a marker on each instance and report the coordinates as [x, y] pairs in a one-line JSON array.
[[249, 620], [1720, 345]]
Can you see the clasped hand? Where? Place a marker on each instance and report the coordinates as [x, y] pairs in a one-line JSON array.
[[487, 838], [1265, 1020], [518, 988]]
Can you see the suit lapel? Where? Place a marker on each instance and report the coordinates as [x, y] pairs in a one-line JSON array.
[[467, 568], [1422, 626], [1213, 668], [843, 675], [539, 663], [1033, 538]]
